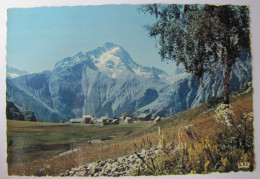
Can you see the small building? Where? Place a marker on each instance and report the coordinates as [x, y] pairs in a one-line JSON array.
[[92, 121], [86, 119], [128, 118], [98, 120], [104, 119], [145, 117], [76, 120], [115, 121]]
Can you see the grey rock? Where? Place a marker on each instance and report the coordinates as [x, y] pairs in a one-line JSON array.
[[121, 166], [143, 152], [71, 172], [63, 174], [121, 159]]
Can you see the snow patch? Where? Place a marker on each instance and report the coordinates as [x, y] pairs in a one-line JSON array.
[[77, 59], [13, 75], [173, 79], [109, 63], [140, 71], [109, 56]]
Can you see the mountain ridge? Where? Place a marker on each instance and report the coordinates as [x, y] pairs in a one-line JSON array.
[[108, 82], [12, 72]]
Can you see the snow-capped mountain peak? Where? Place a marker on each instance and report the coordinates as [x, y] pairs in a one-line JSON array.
[[115, 60], [109, 63], [112, 60], [108, 60], [107, 82]]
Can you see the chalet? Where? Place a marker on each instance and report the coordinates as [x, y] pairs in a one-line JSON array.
[[128, 118], [144, 117], [104, 119], [115, 121], [76, 120], [86, 119]]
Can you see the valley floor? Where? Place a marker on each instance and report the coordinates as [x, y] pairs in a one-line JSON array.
[[200, 140]]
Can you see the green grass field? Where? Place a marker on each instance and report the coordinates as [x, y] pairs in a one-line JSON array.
[[28, 141]]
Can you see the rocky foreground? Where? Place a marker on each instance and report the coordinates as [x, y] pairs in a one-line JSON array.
[[122, 166]]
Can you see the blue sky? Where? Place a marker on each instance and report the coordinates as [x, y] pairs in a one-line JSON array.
[[39, 37]]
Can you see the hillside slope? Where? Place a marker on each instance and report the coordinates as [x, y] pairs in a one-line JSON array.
[[197, 131]]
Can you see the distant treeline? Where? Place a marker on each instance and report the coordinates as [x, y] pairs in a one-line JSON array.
[[13, 113]]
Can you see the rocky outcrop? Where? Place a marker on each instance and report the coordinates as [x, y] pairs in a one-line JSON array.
[[130, 165]]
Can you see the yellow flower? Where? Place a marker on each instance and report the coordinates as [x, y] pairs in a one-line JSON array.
[[179, 135], [224, 161], [206, 165], [216, 148], [190, 150], [244, 156], [160, 132], [207, 140], [192, 172]]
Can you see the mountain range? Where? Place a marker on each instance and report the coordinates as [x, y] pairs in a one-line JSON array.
[[14, 72], [108, 82]]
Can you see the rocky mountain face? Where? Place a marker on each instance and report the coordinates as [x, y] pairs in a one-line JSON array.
[[107, 82], [121, 166]]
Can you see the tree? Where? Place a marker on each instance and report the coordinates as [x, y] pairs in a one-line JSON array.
[[29, 116], [204, 38], [12, 112]]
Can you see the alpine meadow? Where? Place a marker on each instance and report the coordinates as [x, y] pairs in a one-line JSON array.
[[158, 89]]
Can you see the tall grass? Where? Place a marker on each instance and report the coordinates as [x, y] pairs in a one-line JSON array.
[[227, 146]]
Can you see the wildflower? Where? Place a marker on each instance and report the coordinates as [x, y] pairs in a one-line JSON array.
[[191, 149], [191, 152], [216, 148], [224, 161], [161, 140], [179, 135], [206, 165], [244, 156], [207, 140], [160, 132], [192, 172]]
